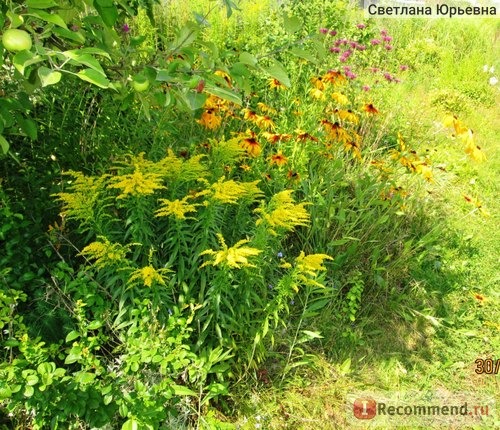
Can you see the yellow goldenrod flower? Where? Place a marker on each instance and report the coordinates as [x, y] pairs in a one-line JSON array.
[[168, 167], [341, 99], [177, 208], [148, 275], [85, 192], [251, 188], [283, 212], [137, 184], [312, 263], [230, 191], [234, 257], [105, 253]]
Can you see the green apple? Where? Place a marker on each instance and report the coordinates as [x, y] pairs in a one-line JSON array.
[[16, 40], [140, 83]]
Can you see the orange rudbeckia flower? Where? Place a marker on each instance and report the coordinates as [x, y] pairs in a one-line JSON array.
[[370, 109], [210, 119], [275, 84], [334, 77], [278, 159]]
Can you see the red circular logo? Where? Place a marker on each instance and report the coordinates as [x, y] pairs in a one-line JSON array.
[[364, 408]]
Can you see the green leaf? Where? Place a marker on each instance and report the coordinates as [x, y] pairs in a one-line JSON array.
[[46, 368], [48, 17], [195, 100], [75, 36], [107, 11], [312, 334], [265, 328], [230, 5], [84, 377], [223, 93], [94, 51], [28, 126], [277, 71], [28, 391], [24, 59], [301, 53], [94, 77], [4, 144], [5, 392], [72, 358], [163, 76], [292, 24], [186, 36], [11, 343], [72, 335], [94, 325], [345, 367], [40, 4], [48, 76], [130, 424], [15, 20], [181, 390], [248, 59], [32, 380], [85, 59]]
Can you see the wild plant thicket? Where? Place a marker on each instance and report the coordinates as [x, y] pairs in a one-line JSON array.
[[219, 182]]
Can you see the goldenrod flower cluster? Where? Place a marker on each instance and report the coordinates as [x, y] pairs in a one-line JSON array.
[[311, 264], [283, 212], [79, 204], [148, 275], [137, 183], [234, 257], [177, 208], [231, 191], [105, 253]]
